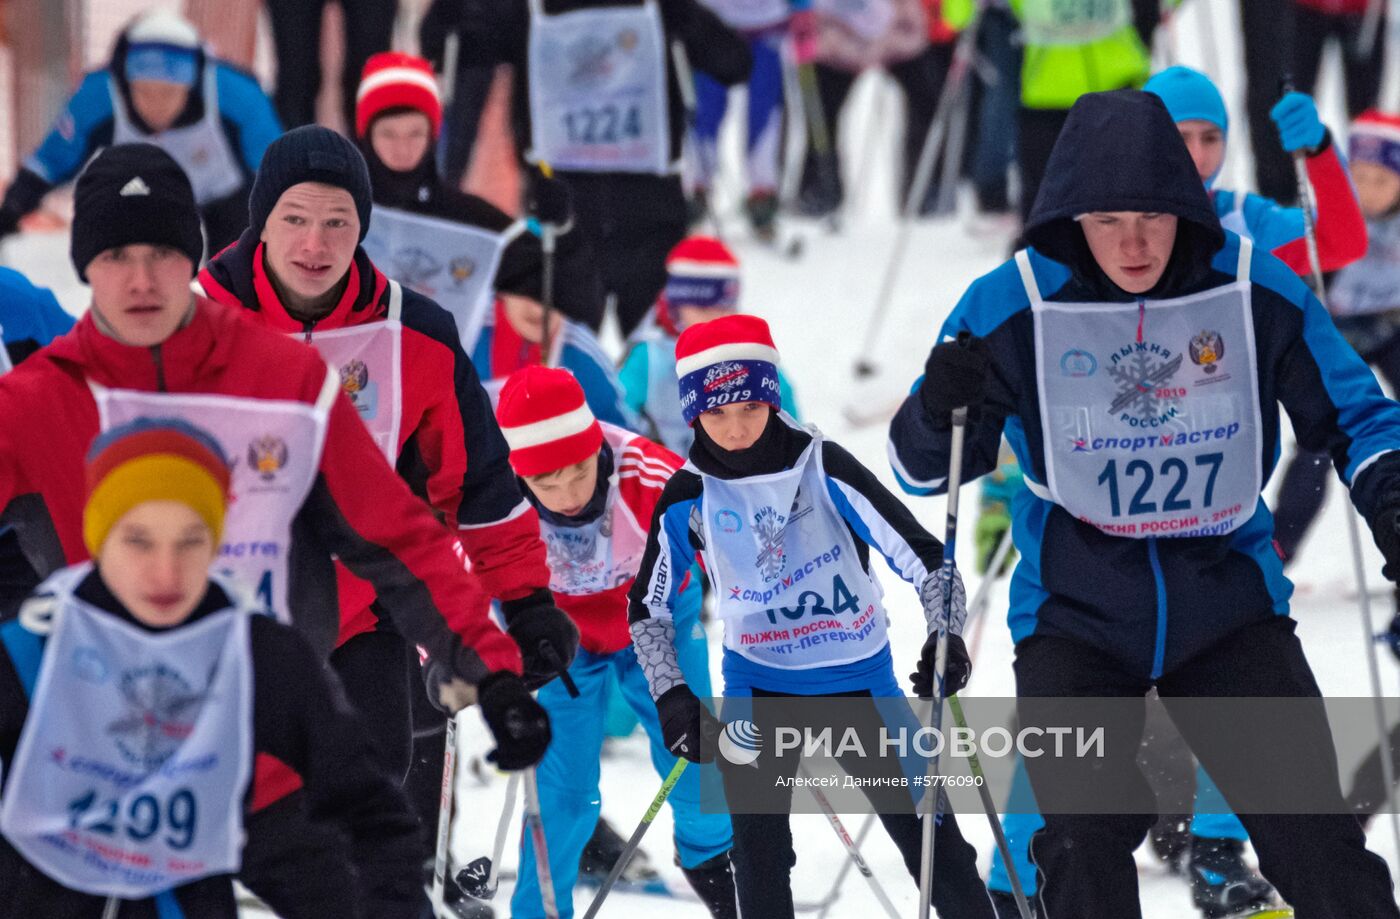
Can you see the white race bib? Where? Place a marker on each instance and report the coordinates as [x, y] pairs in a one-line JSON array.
[[369, 359], [201, 149], [1072, 22], [868, 19], [452, 263], [1371, 285], [273, 448], [789, 584], [134, 760], [1150, 410], [749, 15], [598, 89]]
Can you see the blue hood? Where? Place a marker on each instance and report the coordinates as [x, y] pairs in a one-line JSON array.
[[1120, 151]]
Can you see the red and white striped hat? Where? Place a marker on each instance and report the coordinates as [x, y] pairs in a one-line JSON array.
[[546, 421], [726, 360], [1375, 138], [392, 79]]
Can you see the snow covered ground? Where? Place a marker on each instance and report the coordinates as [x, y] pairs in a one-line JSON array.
[[818, 306]]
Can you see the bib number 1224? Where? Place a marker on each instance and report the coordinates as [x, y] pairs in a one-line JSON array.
[[606, 124], [1165, 488]]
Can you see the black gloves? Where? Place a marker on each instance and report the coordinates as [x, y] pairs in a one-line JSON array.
[[955, 375], [685, 722], [958, 667], [546, 635], [1385, 529], [517, 722], [549, 200]]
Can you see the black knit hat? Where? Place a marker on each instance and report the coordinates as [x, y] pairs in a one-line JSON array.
[[309, 154], [130, 194], [521, 270]]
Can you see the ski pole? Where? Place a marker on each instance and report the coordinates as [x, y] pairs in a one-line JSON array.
[[547, 245], [534, 826], [1363, 597], [482, 876], [851, 847], [958, 70], [940, 657], [826, 902], [444, 827], [636, 838], [551, 657], [982, 599], [1000, 835]]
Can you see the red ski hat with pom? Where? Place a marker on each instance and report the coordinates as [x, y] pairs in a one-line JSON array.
[[546, 421], [394, 80], [701, 271], [725, 361]]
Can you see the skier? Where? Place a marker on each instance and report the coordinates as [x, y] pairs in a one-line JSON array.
[[519, 324], [161, 86], [30, 317], [595, 487], [1199, 112], [747, 456], [764, 26], [1189, 616], [597, 97], [445, 243], [702, 283], [311, 485], [206, 687]]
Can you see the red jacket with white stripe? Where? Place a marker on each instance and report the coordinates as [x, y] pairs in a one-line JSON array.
[[640, 472], [450, 449]]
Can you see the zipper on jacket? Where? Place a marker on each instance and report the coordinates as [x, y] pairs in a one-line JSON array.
[[1159, 650], [160, 368], [306, 328]]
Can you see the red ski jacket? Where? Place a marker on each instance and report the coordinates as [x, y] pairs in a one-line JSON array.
[[356, 508], [449, 447]]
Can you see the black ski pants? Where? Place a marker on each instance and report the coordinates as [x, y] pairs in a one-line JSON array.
[[296, 36], [1318, 862], [763, 855]]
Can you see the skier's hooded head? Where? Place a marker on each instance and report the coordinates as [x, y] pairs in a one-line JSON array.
[[1200, 115], [1121, 203]]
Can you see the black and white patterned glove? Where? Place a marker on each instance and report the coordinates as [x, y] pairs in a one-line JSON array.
[[931, 596]]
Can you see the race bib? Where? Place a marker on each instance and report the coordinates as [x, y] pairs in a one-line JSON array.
[[789, 584], [1072, 22], [131, 769], [598, 89], [452, 263], [273, 448], [1150, 410]]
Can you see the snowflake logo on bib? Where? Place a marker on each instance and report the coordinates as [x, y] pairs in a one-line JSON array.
[[768, 526], [569, 556], [590, 62], [1141, 377], [161, 710]]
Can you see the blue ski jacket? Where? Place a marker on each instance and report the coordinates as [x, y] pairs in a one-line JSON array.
[[1152, 603]]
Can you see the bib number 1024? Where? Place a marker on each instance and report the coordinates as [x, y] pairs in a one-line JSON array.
[[1166, 488], [606, 124]]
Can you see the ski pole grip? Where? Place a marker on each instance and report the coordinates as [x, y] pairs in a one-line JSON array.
[[552, 658]]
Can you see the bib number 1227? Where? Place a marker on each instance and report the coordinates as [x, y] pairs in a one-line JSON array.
[[1165, 488]]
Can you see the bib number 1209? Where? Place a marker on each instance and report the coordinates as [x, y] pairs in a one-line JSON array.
[[1166, 488]]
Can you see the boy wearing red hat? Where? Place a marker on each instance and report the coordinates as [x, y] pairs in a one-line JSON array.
[[702, 283], [595, 487], [783, 516], [445, 243]]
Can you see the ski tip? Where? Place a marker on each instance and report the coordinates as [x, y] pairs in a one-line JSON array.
[[1272, 912]]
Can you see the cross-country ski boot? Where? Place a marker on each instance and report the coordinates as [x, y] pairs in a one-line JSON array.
[[1221, 883], [455, 903], [602, 852], [762, 210], [1171, 839], [713, 883]]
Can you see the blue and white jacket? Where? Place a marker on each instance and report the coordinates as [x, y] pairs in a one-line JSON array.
[[1151, 603]]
